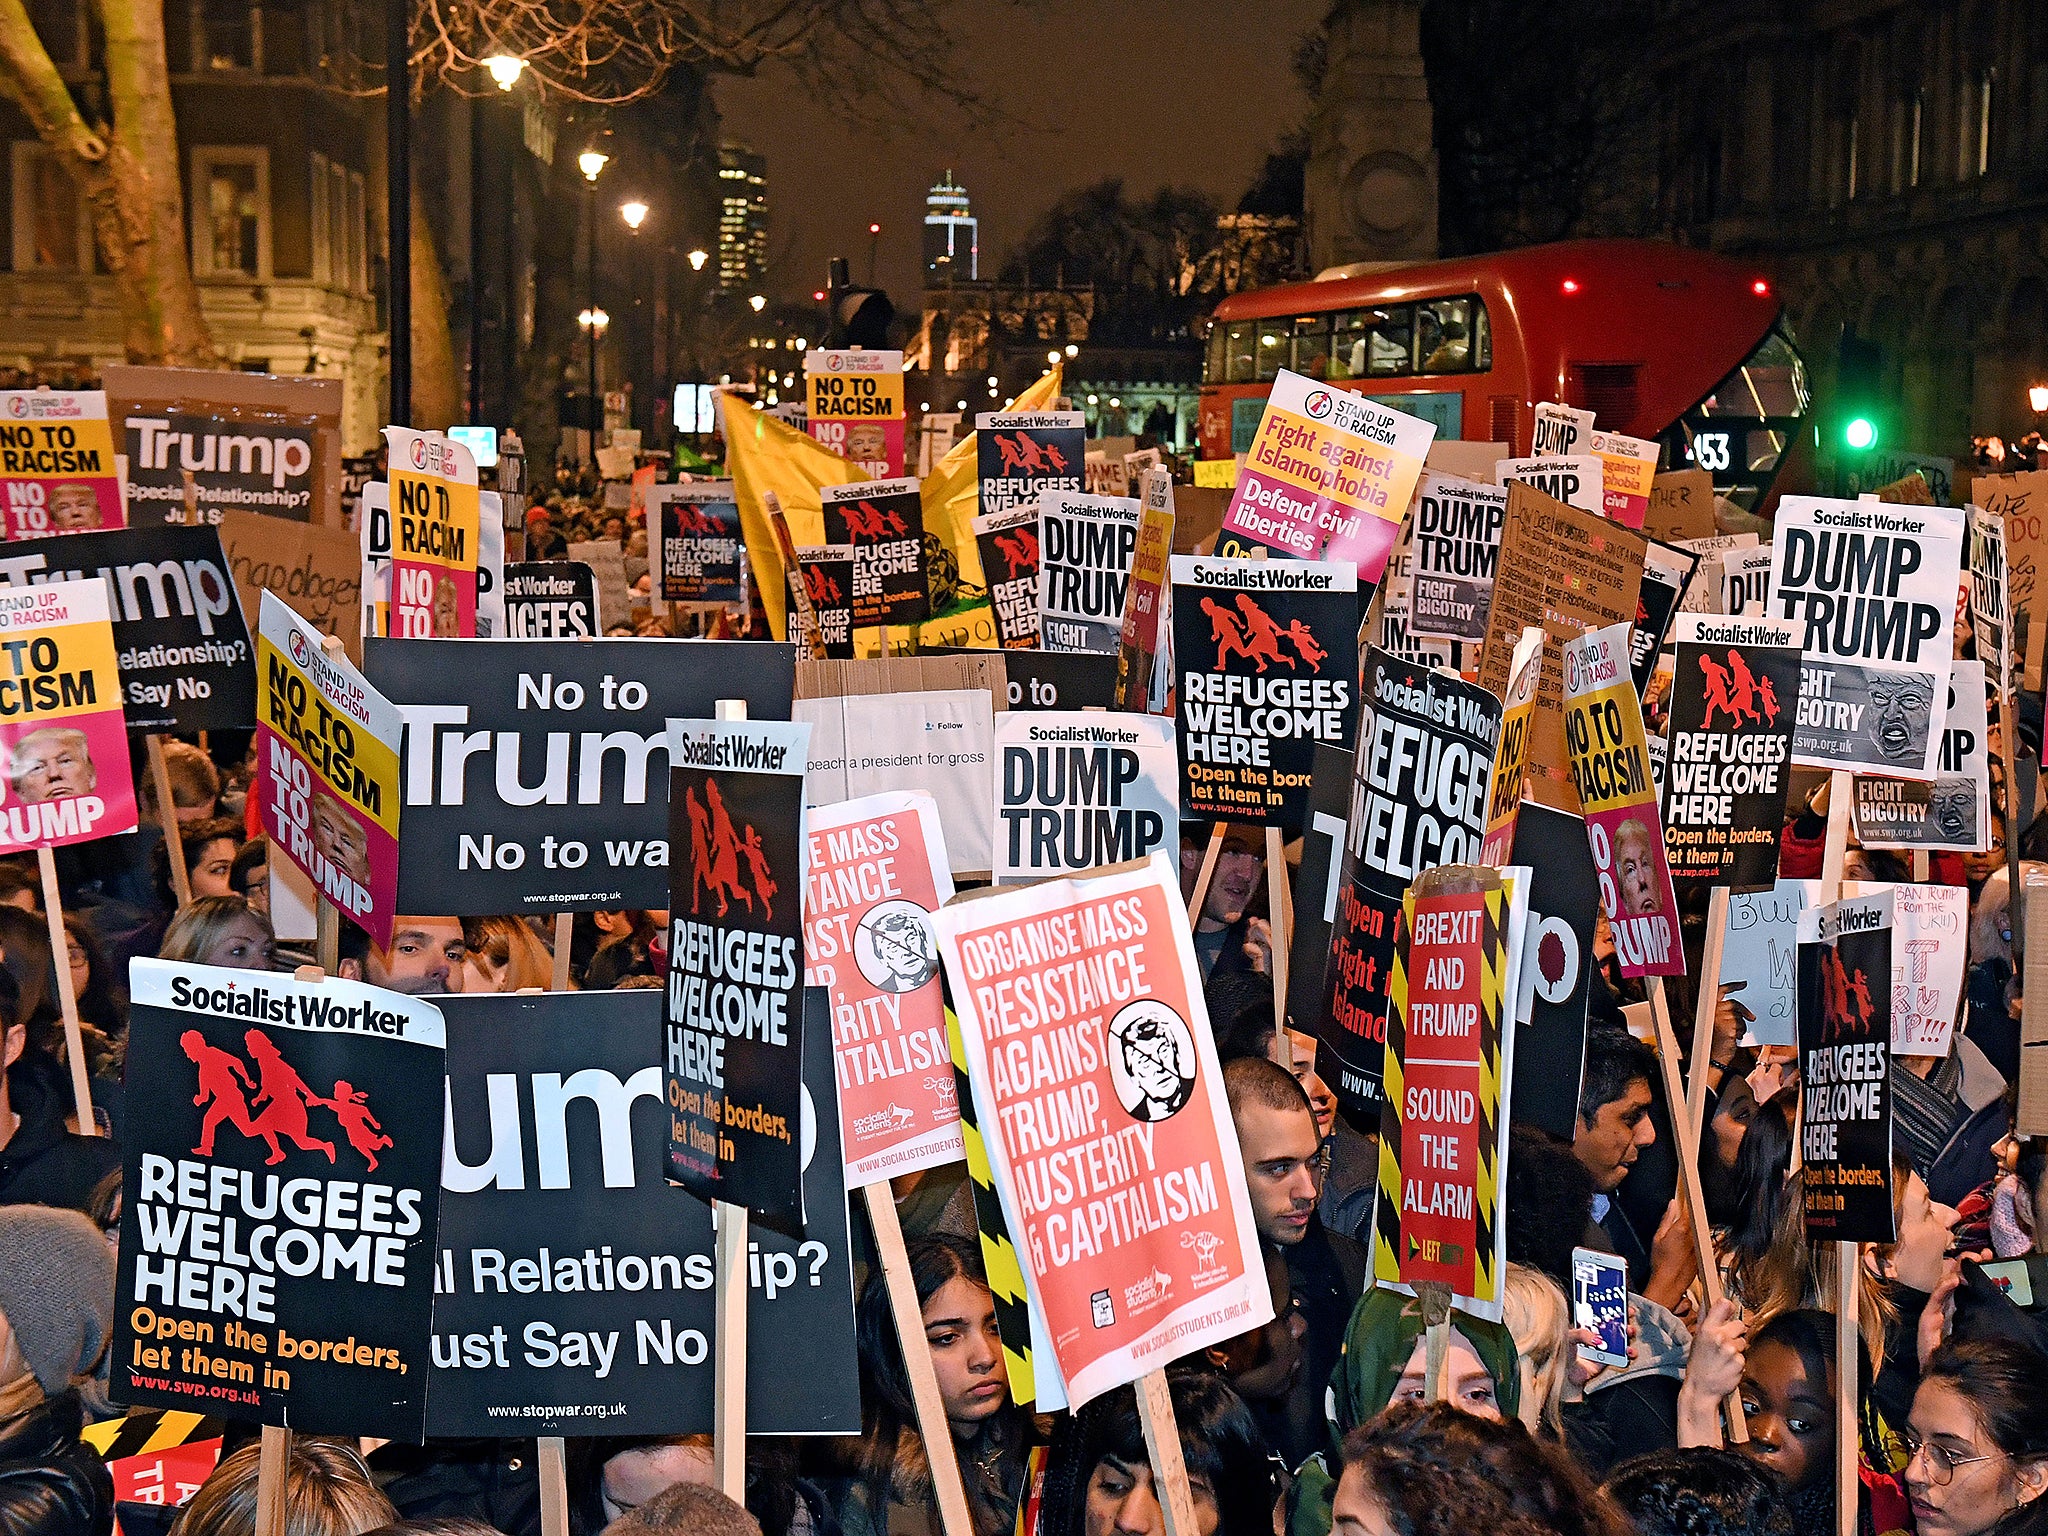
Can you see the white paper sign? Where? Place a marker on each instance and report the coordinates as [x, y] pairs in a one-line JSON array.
[[1075, 789]]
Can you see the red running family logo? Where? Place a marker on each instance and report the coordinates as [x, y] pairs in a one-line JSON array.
[[1019, 549], [274, 1102], [1846, 1006], [1023, 456], [716, 853], [874, 523], [691, 518], [1252, 634], [823, 587], [1737, 693]]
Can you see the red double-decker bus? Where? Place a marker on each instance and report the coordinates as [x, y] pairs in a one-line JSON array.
[[1656, 340]]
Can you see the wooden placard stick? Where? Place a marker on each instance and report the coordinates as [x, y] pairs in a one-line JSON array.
[[950, 1491], [1162, 1444], [551, 1453], [1848, 1391], [167, 819], [1279, 922], [1208, 871], [564, 932], [67, 998], [273, 1461], [729, 1350], [1707, 1008], [1435, 1299]]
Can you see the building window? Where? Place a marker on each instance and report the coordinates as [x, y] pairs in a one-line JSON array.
[[339, 239], [1973, 136], [52, 222], [231, 212], [226, 34]]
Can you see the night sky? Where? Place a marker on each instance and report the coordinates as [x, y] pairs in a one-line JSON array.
[[1096, 89]]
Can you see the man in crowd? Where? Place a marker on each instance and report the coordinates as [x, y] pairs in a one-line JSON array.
[[1614, 1127], [1225, 938], [425, 958]]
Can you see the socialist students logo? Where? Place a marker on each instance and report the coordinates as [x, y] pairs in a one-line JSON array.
[[273, 1104]]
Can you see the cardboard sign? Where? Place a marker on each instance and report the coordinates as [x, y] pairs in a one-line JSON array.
[[1008, 545], [854, 406], [1746, 582], [1264, 653], [607, 563], [1558, 430], [735, 963], [1611, 771], [68, 778], [536, 773], [877, 873], [1556, 974], [1511, 753], [279, 1200], [1760, 960], [314, 571], [434, 549], [1666, 571], [1953, 812], [1329, 475], [1076, 790], [180, 642], [884, 522], [1628, 467], [940, 741], [193, 467], [575, 1284], [1317, 887], [827, 574], [1086, 545], [1443, 1139], [550, 600], [1457, 548], [1707, 591], [1138, 652], [1576, 480], [57, 463], [1681, 506], [1131, 1215], [703, 554], [2020, 505], [1568, 571], [1020, 455], [1873, 588], [1845, 1130], [327, 776], [1730, 748], [1426, 745]]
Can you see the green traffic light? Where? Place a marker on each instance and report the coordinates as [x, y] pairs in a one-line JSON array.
[[1860, 433]]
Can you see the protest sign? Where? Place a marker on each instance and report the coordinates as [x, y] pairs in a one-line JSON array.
[[1075, 790], [1746, 582], [1845, 1129], [1556, 974], [1138, 658], [1574, 480], [1389, 615], [853, 404], [57, 462], [434, 547], [2019, 504], [884, 522], [1760, 958], [1930, 949], [877, 873], [1681, 506], [1628, 467], [1086, 545], [940, 741], [1707, 591], [1558, 430], [496, 728], [1457, 547], [314, 571], [827, 574], [1081, 998], [298, 1295], [1730, 741], [1316, 885], [1567, 571], [574, 1284], [735, 982], [550, 600], [1103, 475], [1443, 1139], [1060, 680], [193, 467], [374, 529], [180, 642], [607, 562], [156, 1456], [1666, 570], [490, 566], [68, 777], [1954, 811], [1008, 544], [1426, 745], [1328, 477], [1990, 603], [1610, 769], [327, 770], [1873, 589], [1264, 650], [702, 552], [1511, 753], [1020, 455]]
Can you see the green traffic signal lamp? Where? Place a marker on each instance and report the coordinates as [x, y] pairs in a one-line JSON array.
[[1860, 433]]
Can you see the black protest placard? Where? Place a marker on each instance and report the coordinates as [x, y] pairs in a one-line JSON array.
[[1020, 455], [550, 600], [1729, 757], [536, 773], [1315, 884], [734, 1039], [703, 556], [179, 636], [1557, 969], [1845, 1036], [1086, 545], [884, 522], [188, 468], [574, 1291], [827, 574], [1051, 679], [280, 1195], [1424, 762], [1666, 571], [1456, 540], [1008, 545], [1265, 654]]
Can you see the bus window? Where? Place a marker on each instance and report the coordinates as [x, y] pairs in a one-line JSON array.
[[1214, 356], [1740, 433], [1443, 339], [1390, 341], [1348, 344], [1312, 346], [1482, 337], [1237, 352], [1273, 345]]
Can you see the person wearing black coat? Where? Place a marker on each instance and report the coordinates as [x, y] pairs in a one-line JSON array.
[[51, 1482]]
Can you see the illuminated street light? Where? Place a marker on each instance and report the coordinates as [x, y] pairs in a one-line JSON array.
[[594, 320], [634, 213], [505, 69], [592, 163], [2037, 397], [1053, 356], [757, 303], [697, 260], [1072, 350]]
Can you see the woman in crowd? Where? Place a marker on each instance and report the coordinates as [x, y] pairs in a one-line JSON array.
[[220, 930], [1701, 1492], [888, 1490], [327, 1492], [505, 955], [1978, 1441], [209, 848], [622, 951], [1538, 1315], [249, 876]]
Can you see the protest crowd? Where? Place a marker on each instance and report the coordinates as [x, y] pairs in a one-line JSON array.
[[1164, 1010]]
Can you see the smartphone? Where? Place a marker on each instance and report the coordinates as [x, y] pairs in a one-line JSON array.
[[1600, 1303]]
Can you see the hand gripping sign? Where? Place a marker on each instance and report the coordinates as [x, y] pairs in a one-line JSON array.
[[1097, 1088], [434, 553], [68, 779], [57, 463]]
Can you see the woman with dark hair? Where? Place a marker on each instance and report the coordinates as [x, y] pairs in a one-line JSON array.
[[1098, 1476], [888, 1491], [624, 951], [1757, 1247], [1978, 1439]]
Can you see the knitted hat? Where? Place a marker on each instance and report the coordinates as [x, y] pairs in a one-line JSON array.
[[56, 1291]]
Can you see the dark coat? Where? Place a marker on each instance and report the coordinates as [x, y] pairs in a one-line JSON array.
[[51, 1482], [42, 1163]]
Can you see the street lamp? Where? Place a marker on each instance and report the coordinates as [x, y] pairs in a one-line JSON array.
[[2037, 397], [505, 69], [592, 163], [1072, 350], [697, 260], [1053, 357], [593, 320], [634, 213], [757, 303]]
